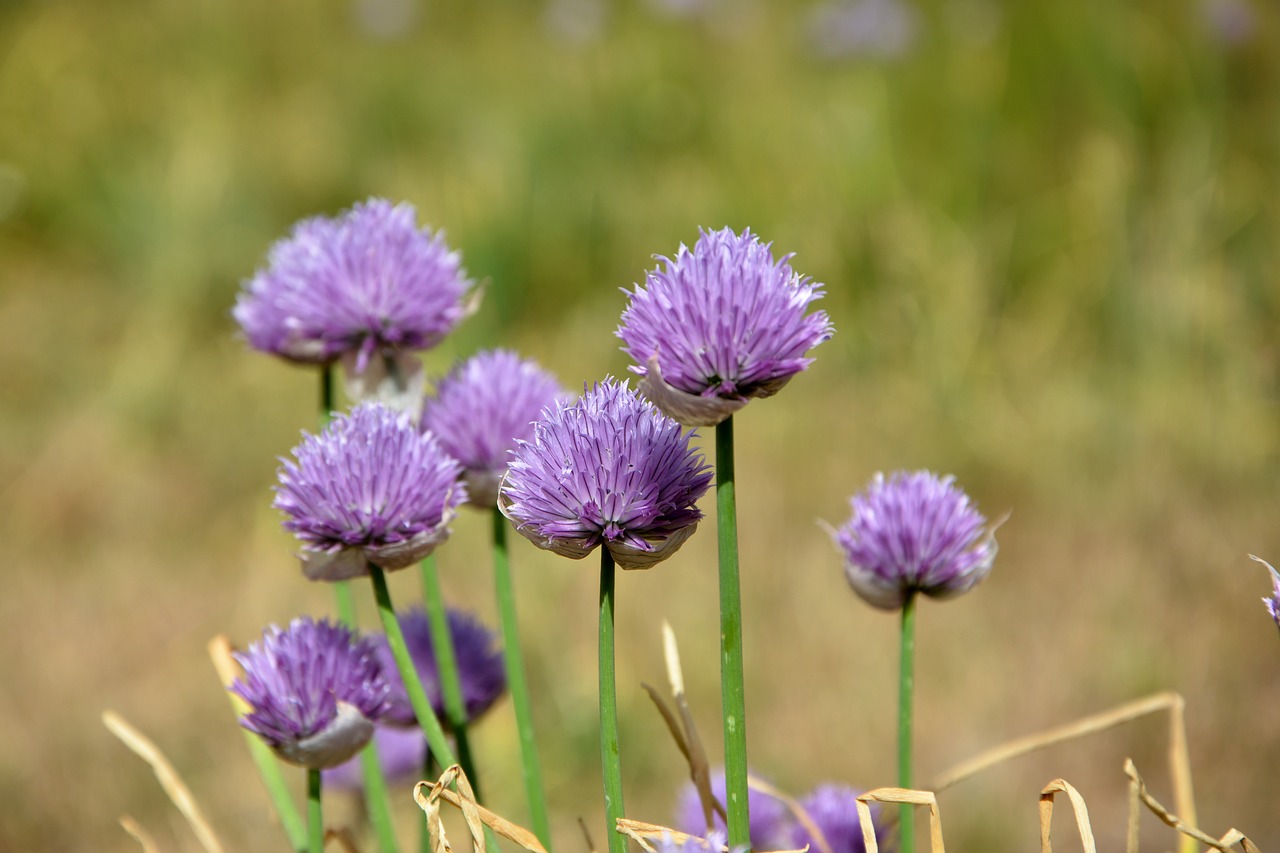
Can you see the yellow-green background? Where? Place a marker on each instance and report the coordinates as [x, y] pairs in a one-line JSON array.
[[1049, 239]]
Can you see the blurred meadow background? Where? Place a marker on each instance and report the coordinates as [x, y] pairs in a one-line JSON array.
[[1049, 236]]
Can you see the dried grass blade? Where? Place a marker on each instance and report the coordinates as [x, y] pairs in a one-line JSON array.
[[140, 835], [476, 815], [343, 837], [1232, 837], [178, 792], [909, 796], [686, 734], [1061, 786]]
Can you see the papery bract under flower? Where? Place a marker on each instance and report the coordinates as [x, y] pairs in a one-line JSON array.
[[914, 532], [315, 691], [834, 811], [479, 410], [371, 488], [770, 827], [402, 756], [608, 469], [719, 325]]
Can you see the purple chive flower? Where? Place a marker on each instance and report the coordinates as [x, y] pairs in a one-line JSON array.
[[481, 408], [770, 827], [315, 691], [1273, 603], [834, 812], [370, 489], [714, 842], [607, 469], [402, 755], [480, 666], [914, 532], [719, 325]]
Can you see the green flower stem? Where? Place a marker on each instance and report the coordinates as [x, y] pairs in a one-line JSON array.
[[609, 754], [447, 665], [513, 657], [408, 672], [733, 696], [315, 817], [906, 689]]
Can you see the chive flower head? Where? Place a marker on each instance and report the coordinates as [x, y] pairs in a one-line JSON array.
[[834, 811], [770, 821], [1273, 602]]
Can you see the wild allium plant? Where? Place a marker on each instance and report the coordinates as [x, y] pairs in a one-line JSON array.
[[1272, 602], [710, 330]]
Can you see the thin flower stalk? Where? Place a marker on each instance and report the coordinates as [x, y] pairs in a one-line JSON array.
[[610, 756], [315, 815], [906, 695]]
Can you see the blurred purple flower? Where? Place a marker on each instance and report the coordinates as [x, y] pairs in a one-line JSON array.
[[606, 469], [1273, 603], [481, 408], [480, 667], [914, 532], [834, 812], [719, 325], [402, 755], [856, 28], [370, 489], [315, 691], [1233, 22], [715, 842], [770, 827]]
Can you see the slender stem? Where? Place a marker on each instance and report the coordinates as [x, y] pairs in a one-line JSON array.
[[609, 753], [513, 657], [447, 666], [906, 689], [315, 817], [408, 672], [733, 696]]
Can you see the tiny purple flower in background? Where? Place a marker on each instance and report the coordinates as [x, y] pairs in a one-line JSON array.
[[1273, 603], [714, 842], [719, 325], [481, 408], [371, 488], [914, 532], [367, 287], [862, 28], [402, 755], [770, 827], [480, 667], [315, 691], [834, 812], [608, 469]]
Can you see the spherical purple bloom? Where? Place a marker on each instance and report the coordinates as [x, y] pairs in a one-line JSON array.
[[315, 691], [366, 282], [481, 672], [371, 488], [402, 755], [606, 469], [481, 408], [1273, 603], [719, 325], [834, 811], [914, 532], [770, 821]]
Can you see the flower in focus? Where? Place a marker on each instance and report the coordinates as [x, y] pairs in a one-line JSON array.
[[314, 690], [914, 532], [368, 287], [481, 408], [719, 325], [834, 812], [1273, 603], [770, 827], [480, 668], [371, 488], [608, 469], [402, 755]]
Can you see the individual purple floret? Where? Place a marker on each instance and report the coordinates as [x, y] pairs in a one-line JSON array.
[[1273, 603], [914, 532], [770, 827], [402, 755], [719, 325], [370, 489], [315, 691], [481, 408], [606, 469], [834, 812], [366, 282], [480, 667]]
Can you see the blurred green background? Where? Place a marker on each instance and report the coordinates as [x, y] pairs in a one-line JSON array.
[[1049, 238]]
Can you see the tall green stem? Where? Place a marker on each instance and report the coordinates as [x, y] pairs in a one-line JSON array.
[[906, 689], [447, 666], [733, 697], [609, 754], [315, 816], [513, 657], [408, 672]]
